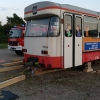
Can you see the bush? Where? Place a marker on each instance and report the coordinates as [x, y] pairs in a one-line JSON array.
[[3, 38], [3, 45]]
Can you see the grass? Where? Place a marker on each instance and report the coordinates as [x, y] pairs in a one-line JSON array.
[[3, 45]]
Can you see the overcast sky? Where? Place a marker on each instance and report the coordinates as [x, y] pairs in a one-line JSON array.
[[8, 7]]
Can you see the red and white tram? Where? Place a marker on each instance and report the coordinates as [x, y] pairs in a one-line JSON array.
[[61, 35]]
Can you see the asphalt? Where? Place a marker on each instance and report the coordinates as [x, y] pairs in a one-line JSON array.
[[7, 56]]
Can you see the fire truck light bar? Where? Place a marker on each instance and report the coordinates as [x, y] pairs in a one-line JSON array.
[[14, 25]]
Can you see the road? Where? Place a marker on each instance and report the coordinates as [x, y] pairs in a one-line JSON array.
[[7, 55]]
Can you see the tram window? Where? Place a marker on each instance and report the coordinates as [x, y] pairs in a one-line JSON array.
[[28, 28], [78, 23], [43, 27], [99, 27], [38, 27], [90, 27], [68, 25], [54, 26]]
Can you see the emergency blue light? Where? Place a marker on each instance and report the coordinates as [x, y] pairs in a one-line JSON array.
[[14, 25], [22, 25]]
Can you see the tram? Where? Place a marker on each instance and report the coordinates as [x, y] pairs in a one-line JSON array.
[[61, 35]]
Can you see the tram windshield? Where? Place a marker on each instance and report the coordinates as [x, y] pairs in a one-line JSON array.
[[43, 27]]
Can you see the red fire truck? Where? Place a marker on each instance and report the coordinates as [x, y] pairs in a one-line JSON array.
[[16, 39]]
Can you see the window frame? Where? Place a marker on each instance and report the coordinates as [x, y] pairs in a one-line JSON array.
[[69, 14], [98, 27], [78, 16], [88, 25]]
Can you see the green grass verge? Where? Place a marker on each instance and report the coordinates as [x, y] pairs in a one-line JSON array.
[[3, 45]]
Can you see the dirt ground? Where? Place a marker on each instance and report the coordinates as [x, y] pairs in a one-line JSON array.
[[70, 84]]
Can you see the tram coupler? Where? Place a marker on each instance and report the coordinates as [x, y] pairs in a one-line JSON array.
[[32, 64], [33, 71], [28, 65]]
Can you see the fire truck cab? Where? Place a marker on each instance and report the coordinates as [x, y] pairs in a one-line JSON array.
[[16, 39]]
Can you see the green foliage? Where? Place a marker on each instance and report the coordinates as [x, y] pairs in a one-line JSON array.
[[3, 45], [0, 23], [11, 21], [15, 20], [3, 39]]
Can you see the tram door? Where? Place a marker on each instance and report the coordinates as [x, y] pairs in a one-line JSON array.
[[72, 40]]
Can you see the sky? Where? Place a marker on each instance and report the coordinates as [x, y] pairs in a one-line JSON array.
[[8, 7]]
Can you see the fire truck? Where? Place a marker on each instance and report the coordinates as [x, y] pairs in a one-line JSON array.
[[16, 39]]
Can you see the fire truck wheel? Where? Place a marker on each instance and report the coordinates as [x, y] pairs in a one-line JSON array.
[[19, 52]]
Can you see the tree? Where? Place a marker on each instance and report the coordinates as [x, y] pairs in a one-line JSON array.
[[0, 27], [15, 20], [11, 21], [0, 23]]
